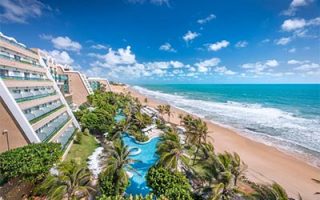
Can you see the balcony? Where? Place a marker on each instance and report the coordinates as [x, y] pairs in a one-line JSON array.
[[13, 83], [7, 57], [27, 96], [50, 129], [36, 102], [17, 47], [9, 77], [66, 136], [40, 114]]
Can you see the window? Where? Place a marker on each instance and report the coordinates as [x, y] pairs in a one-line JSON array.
[[17, 57], [27, 111], [16, 91]]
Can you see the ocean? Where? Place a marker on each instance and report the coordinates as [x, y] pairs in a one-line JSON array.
[[286, 116]]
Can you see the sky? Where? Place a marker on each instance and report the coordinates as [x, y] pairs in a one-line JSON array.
[[174, 41]]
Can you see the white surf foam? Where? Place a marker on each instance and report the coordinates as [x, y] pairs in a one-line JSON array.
[[269, 125]]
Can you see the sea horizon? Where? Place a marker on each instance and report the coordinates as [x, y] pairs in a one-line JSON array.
[[290, 127]]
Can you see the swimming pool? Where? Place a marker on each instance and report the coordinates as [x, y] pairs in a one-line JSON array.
[[148, 156]]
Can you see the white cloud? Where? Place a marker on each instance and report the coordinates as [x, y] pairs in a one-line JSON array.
[[207, 19], [260, 67], [66, 43], [297, 62], [218, 45], [292, 50], [118, 57], [272, 63], [155, 2], [167, 47], [265, 40], [99, 46], [297, 3], [294, 6], [293, 24], [62, 42], [95, 72], [176, 64], [224, 71], [61, 57], [204, 66], [296, 24], [283, 41], [308, 67], [189, 36], [160, 2], [241, 44], [19, 11]]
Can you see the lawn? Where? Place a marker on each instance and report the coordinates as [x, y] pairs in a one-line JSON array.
[[80, 152]]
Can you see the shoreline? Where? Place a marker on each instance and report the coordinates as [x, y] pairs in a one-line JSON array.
[[266, 164]]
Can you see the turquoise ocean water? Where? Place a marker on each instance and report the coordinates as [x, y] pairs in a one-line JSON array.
[[286, 116]]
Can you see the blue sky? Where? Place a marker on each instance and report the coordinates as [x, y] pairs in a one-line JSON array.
[[174, 41]]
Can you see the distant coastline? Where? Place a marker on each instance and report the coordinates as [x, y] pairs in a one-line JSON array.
[[246, 117]]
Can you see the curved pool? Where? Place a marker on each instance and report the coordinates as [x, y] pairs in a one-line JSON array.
[[147, 157]]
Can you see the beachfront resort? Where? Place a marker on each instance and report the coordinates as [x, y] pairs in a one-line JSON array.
[[66, 136]]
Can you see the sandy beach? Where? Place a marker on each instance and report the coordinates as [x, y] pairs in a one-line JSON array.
[[266, 164]]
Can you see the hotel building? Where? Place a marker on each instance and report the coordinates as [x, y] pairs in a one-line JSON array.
[[97, 83], [32, 107], [74, 85]]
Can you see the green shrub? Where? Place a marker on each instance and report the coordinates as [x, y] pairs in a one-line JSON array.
[[138, 135], [98, 121], [79, 137], [107, 187], [141, 137], [31, 162], [160, 124], [173, 185], [86, 132]]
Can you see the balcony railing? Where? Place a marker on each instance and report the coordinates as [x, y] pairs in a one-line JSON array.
[[16, 44], [34, 118], [21, 61], [28, 96], [53, 127], [66, 137], [9, 77]]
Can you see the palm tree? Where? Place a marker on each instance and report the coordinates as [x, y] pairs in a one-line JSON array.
[[167, 109], [318, 182], [197, 132], [121, 127], [220, 177], [71, 182], [171, 151], [270, 192], [238, 167], [207, 149], [117, 163], [161, 109]]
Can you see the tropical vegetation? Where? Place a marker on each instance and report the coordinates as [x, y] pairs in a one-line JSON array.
[[70, 181], [31, 163], [114, 179], [172, 185], [187, 168]]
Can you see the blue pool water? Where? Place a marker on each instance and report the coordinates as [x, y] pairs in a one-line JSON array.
[[147, 157]]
